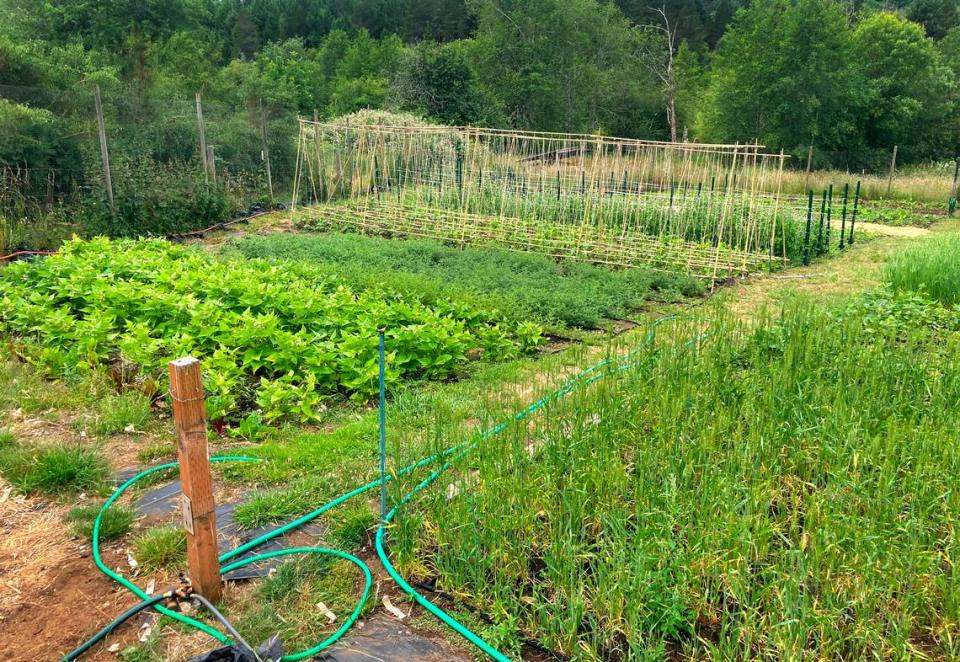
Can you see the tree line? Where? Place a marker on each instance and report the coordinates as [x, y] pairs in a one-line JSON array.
[[852, 77]]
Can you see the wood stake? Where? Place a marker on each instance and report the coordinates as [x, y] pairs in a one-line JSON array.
[[199, 514], [893, 167], [203, 140], [266, 148], [212, 164], [104, 152], [806, 177]]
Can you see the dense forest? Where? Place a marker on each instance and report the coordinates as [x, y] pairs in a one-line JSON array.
[[853, 78]]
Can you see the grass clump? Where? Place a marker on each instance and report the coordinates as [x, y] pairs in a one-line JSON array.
[[55, 469], [930, 266], [520, 285], [115, 523], [118, 413], [286, 603], [277, 505], [163, 547]]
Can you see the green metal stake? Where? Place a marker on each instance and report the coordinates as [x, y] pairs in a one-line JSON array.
[[383, 428], [823, 212], [826, 241], [843, 215], [952, 203], [806, 240], [853, 216]]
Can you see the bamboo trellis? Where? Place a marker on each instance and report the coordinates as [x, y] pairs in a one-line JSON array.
[[711, 210]]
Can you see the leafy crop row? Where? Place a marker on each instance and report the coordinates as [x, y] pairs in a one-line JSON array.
[[519, 284], [782, 489], [280, 338]]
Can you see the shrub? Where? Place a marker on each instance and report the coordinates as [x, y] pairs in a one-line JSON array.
[[153, 199]]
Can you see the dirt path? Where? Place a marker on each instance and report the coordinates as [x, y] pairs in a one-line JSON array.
[[893, 230]]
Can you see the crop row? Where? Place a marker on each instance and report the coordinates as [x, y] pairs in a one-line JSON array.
[[280, 338], [781, 488]]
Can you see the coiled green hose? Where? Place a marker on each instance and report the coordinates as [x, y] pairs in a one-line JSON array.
[[583, 378]]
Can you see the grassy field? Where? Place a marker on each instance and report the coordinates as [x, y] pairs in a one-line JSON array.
[[929, 184]]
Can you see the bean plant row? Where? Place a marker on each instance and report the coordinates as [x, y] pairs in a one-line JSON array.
[[283, 339]]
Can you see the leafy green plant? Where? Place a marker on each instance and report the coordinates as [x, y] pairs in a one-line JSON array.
[[284, 338], [524, 286]]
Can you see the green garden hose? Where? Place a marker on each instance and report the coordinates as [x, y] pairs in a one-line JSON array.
[[583, 378]]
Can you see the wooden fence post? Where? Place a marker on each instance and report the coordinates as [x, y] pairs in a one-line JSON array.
[[266, 148], [893, 167], [104, 152], [203, 139], [806, 176], [211, 162], [199, 514]]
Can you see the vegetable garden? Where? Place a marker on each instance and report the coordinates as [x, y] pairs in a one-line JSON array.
[[282, 339], [685, 207], [702, 486]]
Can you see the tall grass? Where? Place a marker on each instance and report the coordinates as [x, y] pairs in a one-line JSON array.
[[929, 184], [782, 489], [930, 266]]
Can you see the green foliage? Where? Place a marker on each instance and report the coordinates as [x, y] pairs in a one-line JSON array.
[[115, 523], [928, 267], [564, 65], [910, 85], [163, 547], [154, 199], [519, 284], [54, 469], [719, 490], [284, 338], [436, 81], [787, 74]]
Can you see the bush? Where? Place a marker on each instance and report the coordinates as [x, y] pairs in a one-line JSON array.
[[930, 266], [153, 199]]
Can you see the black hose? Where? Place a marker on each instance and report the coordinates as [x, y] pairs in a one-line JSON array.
[[146, 604], [119, 620], [226, 624]]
